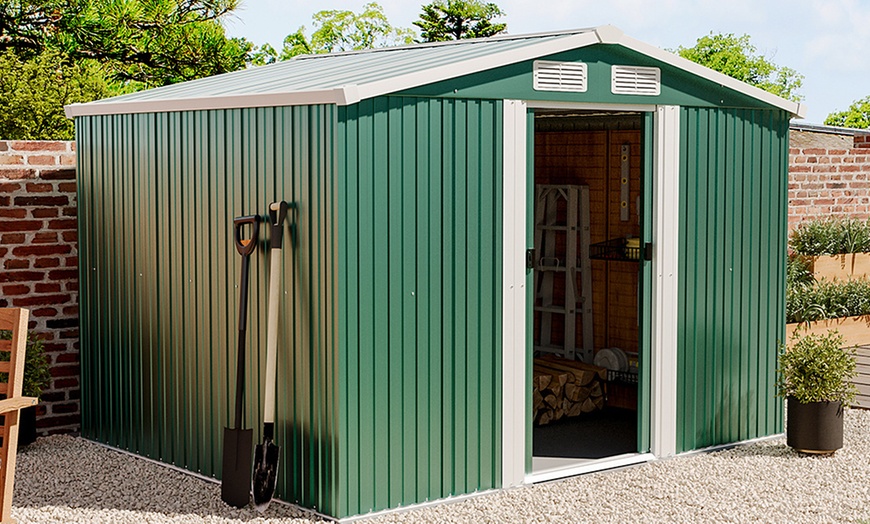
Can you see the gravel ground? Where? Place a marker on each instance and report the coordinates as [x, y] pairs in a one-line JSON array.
[[66, 479]]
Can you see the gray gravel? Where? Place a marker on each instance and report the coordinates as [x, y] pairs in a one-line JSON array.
[[66, 479]]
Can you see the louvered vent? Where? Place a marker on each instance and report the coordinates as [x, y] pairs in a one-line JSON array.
[[630, 80], [560, 76]]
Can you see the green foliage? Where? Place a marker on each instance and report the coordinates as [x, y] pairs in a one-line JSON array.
[[56, 52], [337, 30], [831, 236], [37, 374], [827, 299], [736, 57], [458, 19], [798, 271], [817, 369], [33, 92], [857, 116], [799, 280], [262, 55], [151, 42]]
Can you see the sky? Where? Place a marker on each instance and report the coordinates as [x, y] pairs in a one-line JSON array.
[[827, 41]]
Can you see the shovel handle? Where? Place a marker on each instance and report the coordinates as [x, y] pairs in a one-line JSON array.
[[246, 245], [277, 214]]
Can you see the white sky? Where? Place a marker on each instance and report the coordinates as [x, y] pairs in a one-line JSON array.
[[828, 41]]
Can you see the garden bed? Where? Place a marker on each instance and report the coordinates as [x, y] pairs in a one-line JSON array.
[[855, 330], [845, 266]]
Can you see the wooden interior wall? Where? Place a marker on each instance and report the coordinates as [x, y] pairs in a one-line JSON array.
[[593, 158]]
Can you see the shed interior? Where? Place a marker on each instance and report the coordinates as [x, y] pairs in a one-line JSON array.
[[587, 214]]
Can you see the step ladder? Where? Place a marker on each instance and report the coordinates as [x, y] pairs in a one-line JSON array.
[[567, 259]]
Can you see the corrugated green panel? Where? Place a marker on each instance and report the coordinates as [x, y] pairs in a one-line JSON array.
[[732, 240], [419, 265], [159, 277]]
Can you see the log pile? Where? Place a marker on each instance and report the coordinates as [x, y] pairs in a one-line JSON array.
[[565, 388]]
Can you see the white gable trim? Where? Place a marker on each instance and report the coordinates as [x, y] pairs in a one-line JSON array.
[[795, 108]]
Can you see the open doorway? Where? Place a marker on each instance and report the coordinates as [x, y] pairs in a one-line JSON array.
[[588, 221]]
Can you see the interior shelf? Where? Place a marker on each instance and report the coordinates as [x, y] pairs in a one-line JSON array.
[[615, 249]]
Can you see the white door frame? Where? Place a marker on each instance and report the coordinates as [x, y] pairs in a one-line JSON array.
[[514, 294]]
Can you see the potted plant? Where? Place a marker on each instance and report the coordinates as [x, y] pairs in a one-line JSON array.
[[37, 376], [815, 375]]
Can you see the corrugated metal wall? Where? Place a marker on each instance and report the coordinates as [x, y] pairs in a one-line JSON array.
[[420, 296], [733, 179], [159, 277]]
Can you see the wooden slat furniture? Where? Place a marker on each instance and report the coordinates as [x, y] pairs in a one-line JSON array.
[[15, 320], [862, 379]]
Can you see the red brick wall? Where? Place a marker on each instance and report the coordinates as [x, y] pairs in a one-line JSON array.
[[828, 176], [39, 264]]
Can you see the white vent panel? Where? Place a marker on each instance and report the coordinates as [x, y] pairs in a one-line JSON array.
[[631, 80], [560, 76]]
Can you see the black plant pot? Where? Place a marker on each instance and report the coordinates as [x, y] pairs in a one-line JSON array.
[[26, 426], [816, 427]]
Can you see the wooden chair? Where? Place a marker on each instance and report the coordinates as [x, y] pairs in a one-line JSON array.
[[15, 320]]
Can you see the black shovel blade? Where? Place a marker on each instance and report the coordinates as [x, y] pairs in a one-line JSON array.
[[236, 482], [265, 473]]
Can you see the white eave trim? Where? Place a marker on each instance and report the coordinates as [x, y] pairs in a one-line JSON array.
[[344, 95]]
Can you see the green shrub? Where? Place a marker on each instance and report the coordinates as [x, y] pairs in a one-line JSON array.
[[798, 270], [831, 236], [37, 373], [817, 369], [826, 299]]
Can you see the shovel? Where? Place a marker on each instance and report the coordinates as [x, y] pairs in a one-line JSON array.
[[266, 455], [235, 488]]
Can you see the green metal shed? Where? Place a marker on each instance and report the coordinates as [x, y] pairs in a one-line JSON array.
[[411, 316]]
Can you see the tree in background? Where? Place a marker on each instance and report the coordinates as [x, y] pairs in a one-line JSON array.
[[150, 42], [735, 56], [458, 19], [56, 52], [857, 116], [336, 30], [33, 93]]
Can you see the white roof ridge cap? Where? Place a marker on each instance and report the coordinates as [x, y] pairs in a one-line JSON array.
[[609, 34]]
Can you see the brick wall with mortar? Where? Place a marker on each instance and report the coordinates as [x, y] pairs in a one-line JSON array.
[[39, 264], [829, 174]]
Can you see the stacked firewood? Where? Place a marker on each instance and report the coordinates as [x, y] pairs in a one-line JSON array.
[[565, 388]]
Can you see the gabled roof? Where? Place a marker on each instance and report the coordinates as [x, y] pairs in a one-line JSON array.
[[346, 78]]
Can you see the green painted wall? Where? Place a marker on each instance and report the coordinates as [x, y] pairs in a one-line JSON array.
[[159, 275], [419, 300], [515, 81], [733, 182]]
